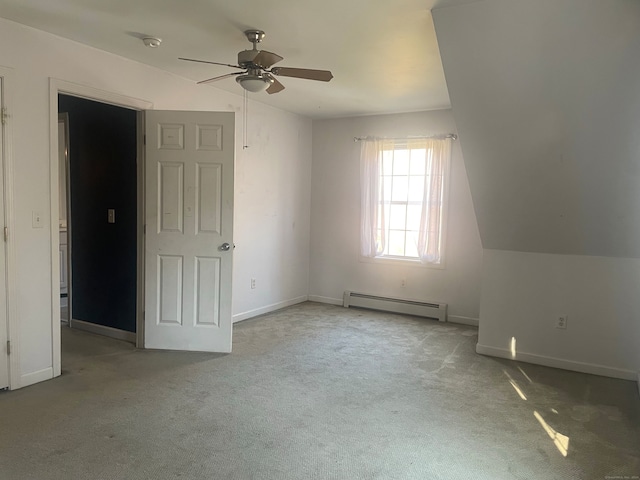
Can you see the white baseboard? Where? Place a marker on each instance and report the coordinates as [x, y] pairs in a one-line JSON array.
[[35, 377], [238, 317], [558, 363], [474, 322], [103, 330], [329, 300]]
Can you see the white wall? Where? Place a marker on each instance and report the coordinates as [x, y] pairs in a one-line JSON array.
[[271, 224], [335, 220], [272, 215], [523, 293]]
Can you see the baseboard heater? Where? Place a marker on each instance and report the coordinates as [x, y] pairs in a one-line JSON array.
[[437, 311]]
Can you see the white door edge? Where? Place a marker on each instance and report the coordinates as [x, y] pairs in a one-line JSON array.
[[13, 324]]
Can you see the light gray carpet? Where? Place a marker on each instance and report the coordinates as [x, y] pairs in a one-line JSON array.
[[317, 392]]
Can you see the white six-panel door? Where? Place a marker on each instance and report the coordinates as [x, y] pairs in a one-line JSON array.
[[189, 227]]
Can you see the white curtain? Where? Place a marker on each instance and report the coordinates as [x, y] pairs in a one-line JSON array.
[[372, 221], [430, 235]]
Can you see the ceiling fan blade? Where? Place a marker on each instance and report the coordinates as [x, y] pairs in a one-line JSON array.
[[220, 77], [275, 87], [266, 59], [321, 75], [212, 63]]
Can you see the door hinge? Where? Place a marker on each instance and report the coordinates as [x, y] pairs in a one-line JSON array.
[[8, 347], [4, 115], [6, 234], [144, 139]]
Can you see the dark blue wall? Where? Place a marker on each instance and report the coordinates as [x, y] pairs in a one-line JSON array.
[[102, 157]]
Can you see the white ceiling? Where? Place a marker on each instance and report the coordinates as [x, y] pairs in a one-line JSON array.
[[383, 54]]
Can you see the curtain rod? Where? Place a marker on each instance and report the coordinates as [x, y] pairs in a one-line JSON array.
[[452, 136]]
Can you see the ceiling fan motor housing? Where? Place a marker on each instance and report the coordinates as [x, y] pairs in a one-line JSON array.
[[246, 57]]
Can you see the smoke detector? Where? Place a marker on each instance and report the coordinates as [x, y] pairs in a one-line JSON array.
[[152, 42]]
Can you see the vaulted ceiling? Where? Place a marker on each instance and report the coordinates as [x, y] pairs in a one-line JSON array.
[[384, 55], [546, 97], [544, 92]]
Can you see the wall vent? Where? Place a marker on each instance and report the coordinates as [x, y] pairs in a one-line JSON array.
[[437, 311]]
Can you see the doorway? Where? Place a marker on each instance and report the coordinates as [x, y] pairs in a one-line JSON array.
[[99, 221], [61, 87], [197, 193]]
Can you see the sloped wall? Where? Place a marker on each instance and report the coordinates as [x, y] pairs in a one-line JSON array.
[[545, 96]]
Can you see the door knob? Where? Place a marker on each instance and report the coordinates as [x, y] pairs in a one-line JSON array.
[[224, 247]]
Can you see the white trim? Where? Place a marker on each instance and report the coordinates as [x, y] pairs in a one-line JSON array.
[[36, 377], [54, 226], [13, 317], [95, 94], [140, 232], [558, 363], [103, 330], [474, 322], [56, 87], [329, 300], [238, 317], [405, 262]]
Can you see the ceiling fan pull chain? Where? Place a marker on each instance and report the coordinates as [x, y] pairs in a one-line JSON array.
[[245, 120]]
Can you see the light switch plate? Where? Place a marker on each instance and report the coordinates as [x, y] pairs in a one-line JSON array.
[[36, 219], [111, 215]]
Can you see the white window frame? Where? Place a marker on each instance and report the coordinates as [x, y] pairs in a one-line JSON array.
[[415, 261]]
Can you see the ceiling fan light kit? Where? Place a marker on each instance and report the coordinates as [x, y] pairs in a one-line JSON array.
[[255, 82], [257, 73]]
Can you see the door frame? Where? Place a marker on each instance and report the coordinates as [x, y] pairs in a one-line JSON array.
[[64, 119], [57, 87], [13, 324]]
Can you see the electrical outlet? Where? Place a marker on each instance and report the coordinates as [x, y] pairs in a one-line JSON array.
[[253, 283], [403, 283], [561, 321]]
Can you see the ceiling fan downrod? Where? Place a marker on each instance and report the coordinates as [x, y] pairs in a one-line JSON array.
[[254, 36]]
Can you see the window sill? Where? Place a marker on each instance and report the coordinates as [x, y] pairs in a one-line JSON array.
[[402, 261]]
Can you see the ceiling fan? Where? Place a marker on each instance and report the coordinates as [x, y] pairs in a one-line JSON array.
[[258, 71]]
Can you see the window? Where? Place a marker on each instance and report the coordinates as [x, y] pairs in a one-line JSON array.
[[403, 191]]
